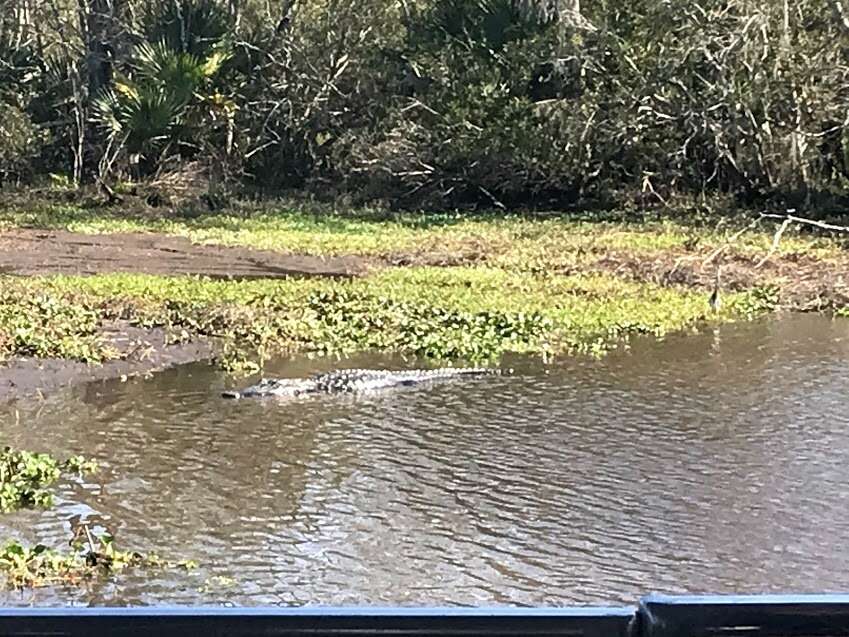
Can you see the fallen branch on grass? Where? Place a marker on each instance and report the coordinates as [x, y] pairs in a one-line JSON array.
[[802, 220], [786, 220], [775, 240]]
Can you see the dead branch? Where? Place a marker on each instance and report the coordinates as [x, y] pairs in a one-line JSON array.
[[785, 223], [808, 222], [775, 240], [492, 198]]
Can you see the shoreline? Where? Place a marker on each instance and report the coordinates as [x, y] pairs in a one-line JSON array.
[[87, 297], [141, 351]]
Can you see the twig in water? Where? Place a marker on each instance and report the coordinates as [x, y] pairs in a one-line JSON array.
[[89, 538]]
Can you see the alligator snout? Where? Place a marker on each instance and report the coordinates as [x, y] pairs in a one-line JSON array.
[[231, 394]]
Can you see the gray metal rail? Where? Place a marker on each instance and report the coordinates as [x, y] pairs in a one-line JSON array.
[[655, 616], [762, 615]]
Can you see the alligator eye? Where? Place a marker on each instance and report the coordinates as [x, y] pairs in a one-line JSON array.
[[297, 392]]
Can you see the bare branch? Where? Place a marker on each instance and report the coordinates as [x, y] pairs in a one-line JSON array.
[[808, 222], [775, 240]]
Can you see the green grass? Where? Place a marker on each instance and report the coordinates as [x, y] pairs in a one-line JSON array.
[[521, 285], [506, 241], [459, 313], [34, 323]]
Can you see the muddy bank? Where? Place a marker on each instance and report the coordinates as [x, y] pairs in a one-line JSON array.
[[26, 251], [141, 351], [805, 283]]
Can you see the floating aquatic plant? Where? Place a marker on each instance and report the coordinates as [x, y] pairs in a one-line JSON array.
[[91, 556], [26, 477]]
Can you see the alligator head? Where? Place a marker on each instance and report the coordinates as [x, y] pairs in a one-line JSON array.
[[284, 388]]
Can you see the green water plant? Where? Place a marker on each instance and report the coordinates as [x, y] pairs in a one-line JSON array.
[[462, 314], [48, 325], [26, 477], [758, 301], [91, 555]]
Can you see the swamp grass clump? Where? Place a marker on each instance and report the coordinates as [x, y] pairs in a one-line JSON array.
[[93, 555], [47, 325]]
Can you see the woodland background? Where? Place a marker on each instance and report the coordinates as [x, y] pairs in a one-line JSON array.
[[417, 103]]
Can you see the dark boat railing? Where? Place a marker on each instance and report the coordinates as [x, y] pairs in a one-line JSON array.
[[654, 616]]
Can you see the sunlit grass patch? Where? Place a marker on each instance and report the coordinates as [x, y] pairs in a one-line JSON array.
[[457, 313], [545, 286], [586, 313], [35, 323], [513, 241]]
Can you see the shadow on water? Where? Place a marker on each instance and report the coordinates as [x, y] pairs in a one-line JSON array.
[[713, 462]]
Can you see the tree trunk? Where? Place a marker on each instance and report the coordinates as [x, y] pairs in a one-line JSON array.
[[98, 26], [101, 24]]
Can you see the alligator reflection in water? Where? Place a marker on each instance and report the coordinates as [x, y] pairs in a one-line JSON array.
[[702, 464]]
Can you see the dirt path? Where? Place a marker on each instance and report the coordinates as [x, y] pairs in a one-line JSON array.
[[34, 252]]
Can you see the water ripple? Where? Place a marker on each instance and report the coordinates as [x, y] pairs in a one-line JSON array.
[[710, 463]]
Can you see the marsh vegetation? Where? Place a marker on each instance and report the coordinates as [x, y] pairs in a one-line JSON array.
[[444, 288]]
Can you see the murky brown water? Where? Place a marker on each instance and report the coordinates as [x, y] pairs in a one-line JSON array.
[[709, 463]]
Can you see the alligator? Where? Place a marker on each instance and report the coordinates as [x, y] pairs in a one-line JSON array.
[[351, 381]]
